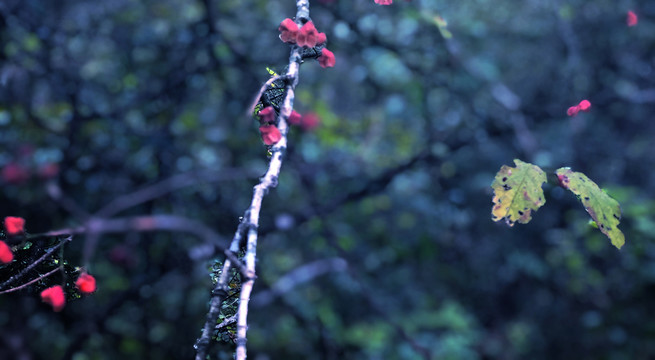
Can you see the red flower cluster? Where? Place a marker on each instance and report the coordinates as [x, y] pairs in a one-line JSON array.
[[584, 105], [6, 256], [270, 133], [54, 296], [631, 19], [86, 283], [306, 36], [307, 122], [14, 225]]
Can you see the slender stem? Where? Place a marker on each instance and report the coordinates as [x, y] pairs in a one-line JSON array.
[[37, 262], [31, 281]]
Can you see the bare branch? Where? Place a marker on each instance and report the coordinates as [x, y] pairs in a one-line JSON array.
[[166, 186], [299, 276], [250, 220]]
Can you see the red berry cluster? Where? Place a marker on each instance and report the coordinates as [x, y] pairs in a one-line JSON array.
[[306, 36]]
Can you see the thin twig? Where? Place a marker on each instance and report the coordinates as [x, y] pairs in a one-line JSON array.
[[231, 320], [37, 262], [31, 281], [299, 276]]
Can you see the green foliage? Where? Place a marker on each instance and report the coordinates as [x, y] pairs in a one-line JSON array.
[[517, 191], [602, 208]]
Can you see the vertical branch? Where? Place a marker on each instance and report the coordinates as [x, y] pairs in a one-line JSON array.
[[268, 182], [250, 222]]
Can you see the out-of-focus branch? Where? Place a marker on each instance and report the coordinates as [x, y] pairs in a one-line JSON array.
[[55, 193], [374, 303], [299, 276], [250, 223], [96, 224], [166, 186], [145, 223]]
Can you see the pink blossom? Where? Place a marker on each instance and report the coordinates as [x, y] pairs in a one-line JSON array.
[[14, 225], [6, 256], [266, 115], [307, 36], [270, 134], [54, 296], [326, 59], [288, 31], [295, 118], [631, 19]]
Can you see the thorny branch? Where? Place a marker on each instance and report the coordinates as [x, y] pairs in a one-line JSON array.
[[250, 222]]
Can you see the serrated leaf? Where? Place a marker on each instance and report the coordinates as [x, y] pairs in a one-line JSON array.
[[517, 192], [602, 208]]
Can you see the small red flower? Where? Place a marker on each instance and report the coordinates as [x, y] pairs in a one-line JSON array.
[[584, 105], [270, 134], [6, 256], [631, 19], [326, 59], [86, 283], [321, 38], [288, 31], [307, 36], [384, 2], [295, 118], [54, 296], [15, 174], [266, 115], [14, 225], [573, 111], [310, 121]]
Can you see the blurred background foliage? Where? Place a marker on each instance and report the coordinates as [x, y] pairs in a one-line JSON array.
[[428, 99]]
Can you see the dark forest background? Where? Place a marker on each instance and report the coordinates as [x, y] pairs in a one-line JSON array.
[[385, 206]]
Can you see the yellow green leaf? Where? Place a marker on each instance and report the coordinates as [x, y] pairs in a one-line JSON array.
[[602, 208], [517, 192]]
